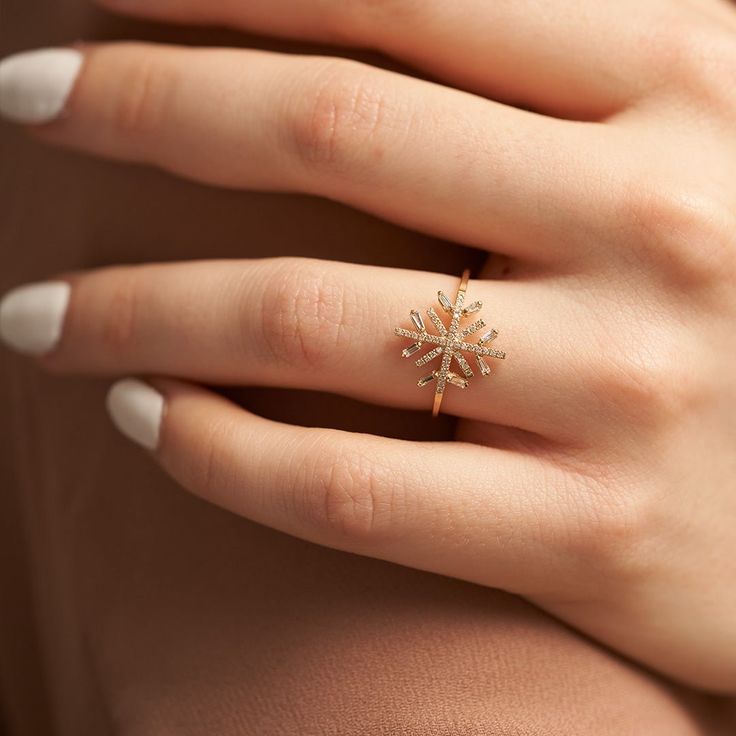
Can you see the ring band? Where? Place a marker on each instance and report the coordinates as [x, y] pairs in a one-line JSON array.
[[450, 342]]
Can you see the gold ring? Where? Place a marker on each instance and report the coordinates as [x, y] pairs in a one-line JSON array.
[[450, 342]]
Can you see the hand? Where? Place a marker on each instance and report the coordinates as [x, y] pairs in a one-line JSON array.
[[595, 469]]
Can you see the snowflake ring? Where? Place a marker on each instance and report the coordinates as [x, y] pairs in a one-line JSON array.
[[450, 343]]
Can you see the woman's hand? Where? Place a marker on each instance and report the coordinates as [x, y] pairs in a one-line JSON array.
[[595, 470]]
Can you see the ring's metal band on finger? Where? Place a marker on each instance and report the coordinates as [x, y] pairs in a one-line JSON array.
[[450, 342]]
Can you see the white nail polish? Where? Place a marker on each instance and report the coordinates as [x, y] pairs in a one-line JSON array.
[[136, 410], [32, 316], [35, 85]]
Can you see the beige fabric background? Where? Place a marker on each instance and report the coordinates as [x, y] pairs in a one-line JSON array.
[[128, 607]]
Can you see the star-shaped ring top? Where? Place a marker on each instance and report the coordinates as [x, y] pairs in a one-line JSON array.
[[450, 342]]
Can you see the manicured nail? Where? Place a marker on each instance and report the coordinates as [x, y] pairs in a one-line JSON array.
[[136, 410], [35, 85], [32, 316]]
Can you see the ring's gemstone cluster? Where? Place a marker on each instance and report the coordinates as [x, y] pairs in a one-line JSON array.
[[450, 342]]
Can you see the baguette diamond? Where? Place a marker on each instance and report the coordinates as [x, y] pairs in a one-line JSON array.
[[416, 318], [408, 352], [426, 379], [444, 301], [488, 337], [485, 369], [456, 380]]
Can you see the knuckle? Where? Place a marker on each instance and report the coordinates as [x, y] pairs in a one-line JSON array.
[[352, 498], [619, 527], [645, 377], [306, 314], [339, 119], [143, 88], [685, 234]]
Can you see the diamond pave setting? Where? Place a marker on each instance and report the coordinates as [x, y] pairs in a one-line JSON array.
[[450, 342]]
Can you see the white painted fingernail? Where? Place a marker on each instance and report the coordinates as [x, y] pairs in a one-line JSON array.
[[35, 85], [32, 316], [136, 410]]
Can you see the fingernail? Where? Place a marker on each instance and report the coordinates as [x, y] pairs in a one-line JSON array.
[[136, 410], [35, 85], [32, 316]]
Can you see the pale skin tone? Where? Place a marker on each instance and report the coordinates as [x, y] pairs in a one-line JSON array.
[[594, 471]]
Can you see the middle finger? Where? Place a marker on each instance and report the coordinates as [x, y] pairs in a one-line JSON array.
[[414, 152]]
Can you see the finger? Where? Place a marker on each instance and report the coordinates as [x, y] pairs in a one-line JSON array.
[[419, 154], [451, 508], [580, 59], [327, 326]]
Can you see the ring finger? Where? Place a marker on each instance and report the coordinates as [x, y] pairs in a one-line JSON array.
[[319, 325]]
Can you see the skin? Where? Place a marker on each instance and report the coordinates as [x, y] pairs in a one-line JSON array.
[[594, 471]]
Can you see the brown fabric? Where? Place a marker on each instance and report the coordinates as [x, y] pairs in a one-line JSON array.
[[129, 607]]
